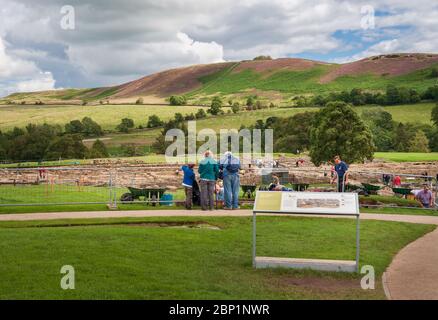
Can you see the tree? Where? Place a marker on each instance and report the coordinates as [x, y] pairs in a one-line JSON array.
[[98, 150], [435, 115], [419, 143], [139, 101], [262, 58], [154, 121], [357, 97], [131, 150], [91, 128], [178, 100], [338, 130], [250, 101], [216, 106], [378, 117], [125, 125], [235, 108], [74, 126], [402, 137], [68, 146], [291, 134], [179, 117], [392, 95], [200, 114], [431, 93], [190, 117]]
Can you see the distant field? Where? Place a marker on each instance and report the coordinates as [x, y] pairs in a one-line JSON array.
[[407, 157], [108, 116]]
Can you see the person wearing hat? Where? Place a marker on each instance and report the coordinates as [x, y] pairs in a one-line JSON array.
[[188, 180]]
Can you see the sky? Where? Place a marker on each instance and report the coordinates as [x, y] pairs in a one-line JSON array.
[[52, 44]]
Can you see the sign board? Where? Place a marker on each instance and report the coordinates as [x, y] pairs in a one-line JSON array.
[[319, 203], [330, 203]]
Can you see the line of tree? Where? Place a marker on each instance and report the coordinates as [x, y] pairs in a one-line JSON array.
[[357, 97], [47, 142], [338, 129]]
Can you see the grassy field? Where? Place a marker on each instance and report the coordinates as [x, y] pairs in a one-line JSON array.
[[407, 156], [142, 260], [108, 116]]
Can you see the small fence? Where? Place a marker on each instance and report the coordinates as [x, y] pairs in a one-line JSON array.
[[53, 186]]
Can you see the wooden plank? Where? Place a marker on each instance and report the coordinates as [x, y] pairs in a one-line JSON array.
[[313, 264]]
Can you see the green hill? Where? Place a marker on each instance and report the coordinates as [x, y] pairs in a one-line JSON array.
[[273, 80]]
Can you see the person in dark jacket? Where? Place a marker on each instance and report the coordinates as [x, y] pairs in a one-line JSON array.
[[341, 169], [188, 180]]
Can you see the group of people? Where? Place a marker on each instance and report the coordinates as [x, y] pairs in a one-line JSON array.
[[222, 179], [210, 173]]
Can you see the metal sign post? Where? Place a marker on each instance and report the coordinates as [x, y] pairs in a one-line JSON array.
[[306, 203]]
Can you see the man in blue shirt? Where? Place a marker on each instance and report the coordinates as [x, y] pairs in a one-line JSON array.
[[341, 169], [188, 180], [231, 167]]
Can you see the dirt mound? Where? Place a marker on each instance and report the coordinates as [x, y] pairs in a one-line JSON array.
[[277, 65], [166, 83], [383, 65]]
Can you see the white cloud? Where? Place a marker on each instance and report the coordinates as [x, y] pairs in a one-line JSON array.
[[116, 41], [19, 75]]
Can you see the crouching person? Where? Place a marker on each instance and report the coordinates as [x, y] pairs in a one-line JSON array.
[[188, 180]]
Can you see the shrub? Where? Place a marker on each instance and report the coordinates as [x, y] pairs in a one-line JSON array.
[[178, 100], [125, 125]]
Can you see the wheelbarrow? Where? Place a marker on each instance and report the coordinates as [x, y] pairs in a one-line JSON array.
[[150, 195], [402, 191], [371, 188]]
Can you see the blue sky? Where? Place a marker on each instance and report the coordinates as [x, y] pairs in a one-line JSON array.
[[111, 42]]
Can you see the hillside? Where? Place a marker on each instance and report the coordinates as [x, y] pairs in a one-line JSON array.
[[275, 80]]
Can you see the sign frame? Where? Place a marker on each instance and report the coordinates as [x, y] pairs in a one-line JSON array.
[[326, 265]]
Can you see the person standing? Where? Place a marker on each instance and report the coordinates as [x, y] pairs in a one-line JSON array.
[[341, 169], [231, 167], [425, 197], [188, 180], [397, 181], [208, 171]]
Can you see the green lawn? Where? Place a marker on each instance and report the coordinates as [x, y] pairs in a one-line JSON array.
[[407, 156], [149, 262]]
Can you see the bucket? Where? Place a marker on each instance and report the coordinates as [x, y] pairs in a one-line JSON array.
[[166, 200]]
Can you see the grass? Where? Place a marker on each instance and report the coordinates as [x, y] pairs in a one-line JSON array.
[[307, 81], [118, 261], [407, 156], [108, 116], [63, 198]]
